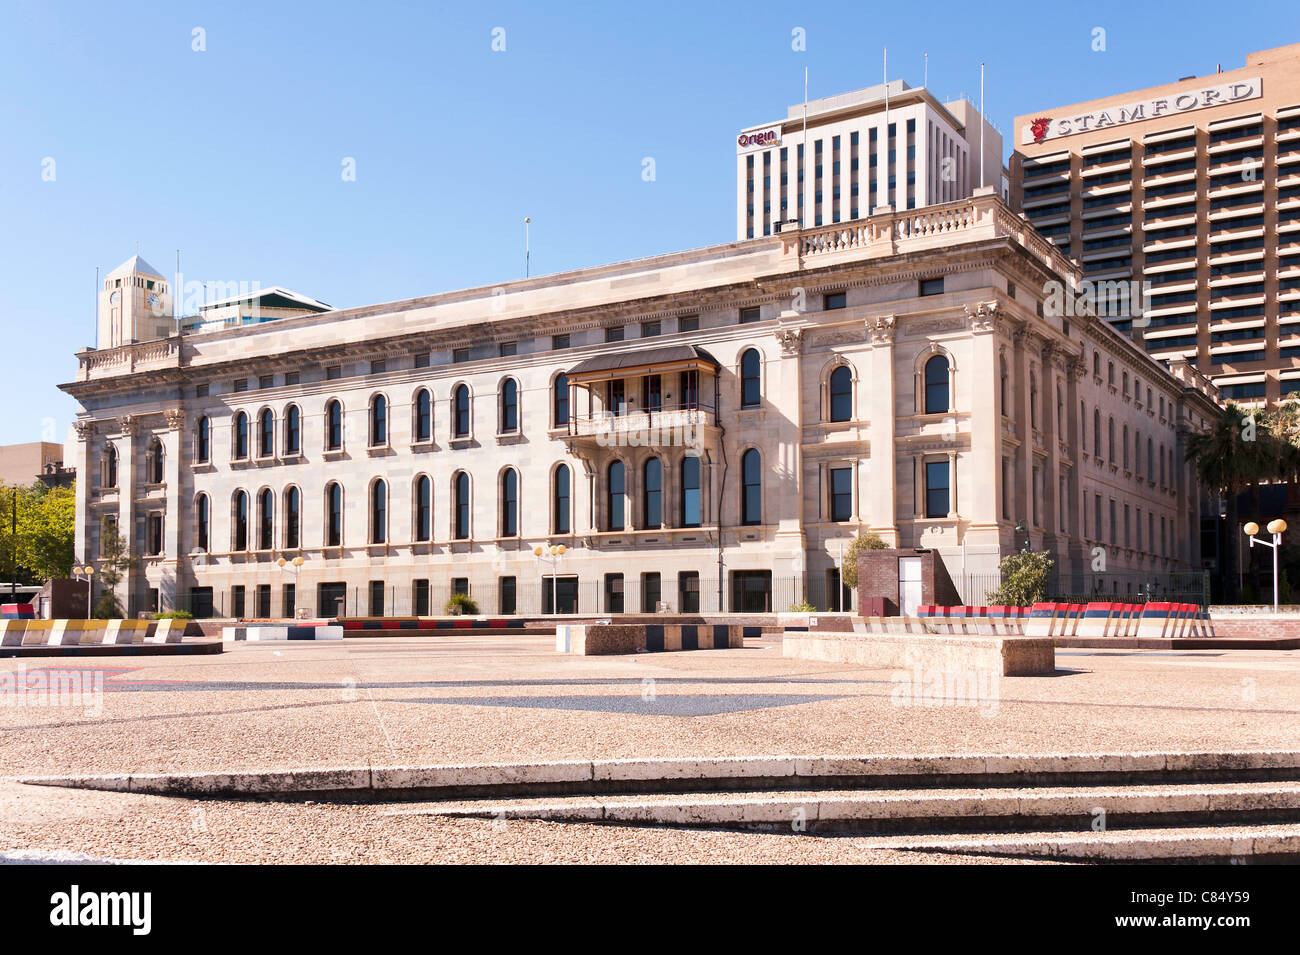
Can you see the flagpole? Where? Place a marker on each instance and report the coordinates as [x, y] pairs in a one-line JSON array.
[[804, 147], [982, 121]]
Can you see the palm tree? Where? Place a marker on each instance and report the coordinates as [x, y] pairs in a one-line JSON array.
[[1234, 455]]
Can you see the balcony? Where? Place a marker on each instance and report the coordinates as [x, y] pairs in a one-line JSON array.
[[124, 359], [693, 427]]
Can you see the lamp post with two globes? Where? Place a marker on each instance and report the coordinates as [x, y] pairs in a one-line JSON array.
[[552, 555], [1275, 528], [296, 564], [88, 573]]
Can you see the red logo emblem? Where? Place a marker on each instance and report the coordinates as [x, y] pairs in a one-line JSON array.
[[1039, 127]]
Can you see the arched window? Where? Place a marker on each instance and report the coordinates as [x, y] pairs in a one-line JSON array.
[[842, 394], [379, 512], [460, 484], [203, 441], [936, 385], [241, 436], [1151, 462], [615, 496], [509, 406], [241, 521], [423, 507], [1033, 397], [561, 400], [333, 425], [751, 488], [509, 502], [692, 509], [460, 411], [265, 433], [423, 415], [155, 462], [108, 467], [202, 522], [563, 523], [1060, 413], [334, 514], [751, 394], [292, 430], [292, 518], [265, 519], [378, 421], [1110, 439], [652, 493], [1096, 363], [1096, 432]]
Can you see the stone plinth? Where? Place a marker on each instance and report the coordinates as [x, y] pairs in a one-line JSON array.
[[1004, 655], [616, 638]]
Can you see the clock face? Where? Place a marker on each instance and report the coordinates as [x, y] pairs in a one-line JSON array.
[[153, 299], [115, 298]]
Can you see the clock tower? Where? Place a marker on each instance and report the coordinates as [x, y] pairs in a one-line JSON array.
[[135, 305]]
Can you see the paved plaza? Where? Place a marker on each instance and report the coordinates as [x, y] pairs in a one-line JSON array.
[[440, 700]]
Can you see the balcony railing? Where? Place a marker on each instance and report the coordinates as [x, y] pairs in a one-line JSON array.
[[676, 424], [103, 362]]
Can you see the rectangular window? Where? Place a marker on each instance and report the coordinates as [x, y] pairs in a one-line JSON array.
[[378, 366], [688, 592], [266, 381], [841, 489], [835, 300], [263, 601], [420, 597], [422, 360], [688, 323], [459, 356], [1096, 524], [931, 286], [376, 598], [333, 372], [200, 391], [240, 384], [506, 600], [508, 349], [748, 315], [291, 377], [649, 329], [936, 489], [288, 601], [559, 341], [460, 585], [613, 593], [614, 333], [650, 593], [155, 536], [237, 601]]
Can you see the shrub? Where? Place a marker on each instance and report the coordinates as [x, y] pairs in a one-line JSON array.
[[174, 615], [107, 607], [1024, 579], [458, 604], [802, 606], [849, 567]]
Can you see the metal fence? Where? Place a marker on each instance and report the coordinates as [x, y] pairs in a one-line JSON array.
[[1120, 587]]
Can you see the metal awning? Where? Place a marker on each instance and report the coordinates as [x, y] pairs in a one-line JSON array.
[[644, 361]]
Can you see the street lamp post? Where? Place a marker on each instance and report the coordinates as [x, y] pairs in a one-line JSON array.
[[552, 555], [1276, 528], [87, 572], [296, 564]]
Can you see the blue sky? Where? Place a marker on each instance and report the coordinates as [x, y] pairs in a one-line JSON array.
[[234, 154]]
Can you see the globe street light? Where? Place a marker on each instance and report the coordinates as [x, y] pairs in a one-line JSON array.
[[1275, 528], [552, 555], [296, 566], [87, 572]]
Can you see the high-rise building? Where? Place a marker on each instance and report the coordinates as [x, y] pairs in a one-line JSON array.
[[888, 145], [1182, 204]]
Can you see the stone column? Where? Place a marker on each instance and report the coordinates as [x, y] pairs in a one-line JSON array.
[[176, 512], [882, 509], [126, 484], [983, 461]]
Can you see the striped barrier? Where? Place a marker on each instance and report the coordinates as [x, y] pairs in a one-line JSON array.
[[11, 632], [37, 633], [1156, 620], [1042, 619], [167, 631], [121, 632], [71, 633], [17, 611], [263, 633], [1096, 620]]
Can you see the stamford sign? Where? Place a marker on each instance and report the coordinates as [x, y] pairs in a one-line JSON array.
[[758, 139], [1043, 128]]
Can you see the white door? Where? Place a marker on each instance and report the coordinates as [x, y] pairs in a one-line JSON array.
[[909, 585]]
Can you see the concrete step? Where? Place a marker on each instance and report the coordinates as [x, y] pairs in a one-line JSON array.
[[1071, 809], [711, 774]]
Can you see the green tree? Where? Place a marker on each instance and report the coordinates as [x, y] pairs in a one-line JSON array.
[[849, 566], [1024, 579], [42, 546]]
